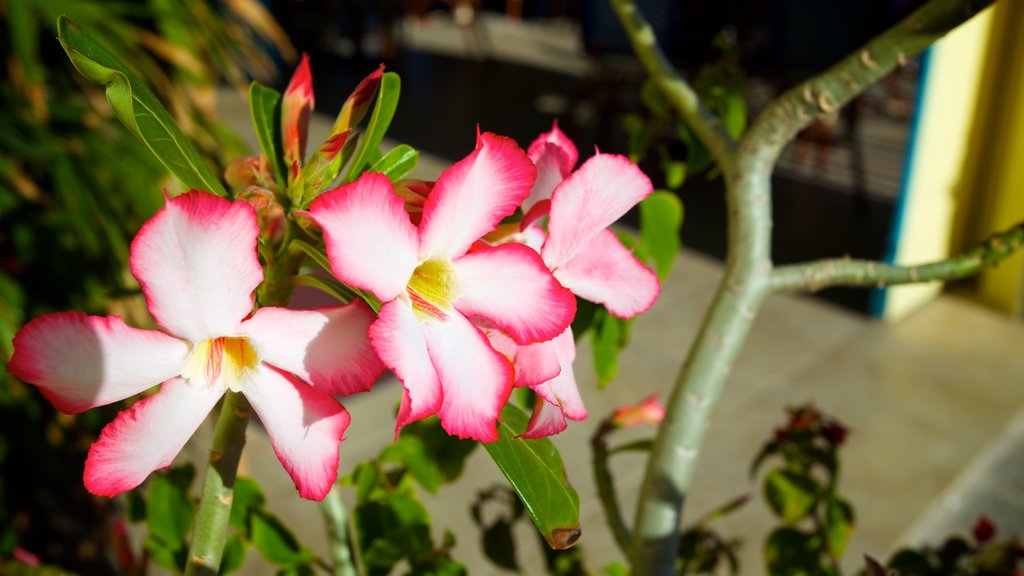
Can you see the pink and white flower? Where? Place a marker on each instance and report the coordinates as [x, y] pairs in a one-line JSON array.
[[197, 265], [584, 255], [434, 280]]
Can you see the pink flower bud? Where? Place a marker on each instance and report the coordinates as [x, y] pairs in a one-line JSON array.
[[647, 411]]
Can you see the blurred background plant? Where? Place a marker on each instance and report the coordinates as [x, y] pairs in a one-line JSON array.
[[74, 187]]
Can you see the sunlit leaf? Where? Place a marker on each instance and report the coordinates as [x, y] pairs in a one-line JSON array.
[[790, 495], [397, 163], [838, 525], [138, 108], [535, 470], [265, 109]]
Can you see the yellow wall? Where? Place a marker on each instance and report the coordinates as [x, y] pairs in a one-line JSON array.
[[940, 150], [992, 194]]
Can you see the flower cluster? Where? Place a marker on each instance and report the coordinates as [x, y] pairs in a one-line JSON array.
[[471, 301]]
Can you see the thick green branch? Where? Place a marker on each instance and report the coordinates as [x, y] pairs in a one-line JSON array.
[[679, 93], [821, 274], [210, 531], [827, 92]]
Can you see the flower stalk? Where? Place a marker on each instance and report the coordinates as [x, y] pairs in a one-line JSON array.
[[210, 532]]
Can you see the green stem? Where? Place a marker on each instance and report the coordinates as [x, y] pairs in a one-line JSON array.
[[678, 92], [813, 276], [210, 531], [606, 486], [335, 515]]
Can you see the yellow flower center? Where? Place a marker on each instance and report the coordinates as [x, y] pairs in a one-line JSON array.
[[432, 288], [220, 362]]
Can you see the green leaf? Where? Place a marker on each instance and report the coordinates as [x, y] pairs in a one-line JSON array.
[[431, 455], [169, 506], [275, 542], [247, 498], [790, 495], [790, 552], [137, 108], [838, 525], [383, 112], [161, 554], [615, 569], [265, 109], [608, 336], [661, 217], [534, 469], [233, 557], [397, 163]]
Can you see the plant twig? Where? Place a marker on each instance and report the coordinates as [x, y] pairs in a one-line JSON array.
[[210, 531], [827, 92], [606, 486], [679, 93], [813, 276], [333, 509]]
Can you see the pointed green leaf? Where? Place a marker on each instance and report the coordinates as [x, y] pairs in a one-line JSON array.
[[790, 552], [275, 542], [397, 163], [838, 525], [169, 507], [661, 217], [790, 495], [248, 496], [534, 469], [608, 336], [137, 108], [265, 109], [233, 557], [383, 112]]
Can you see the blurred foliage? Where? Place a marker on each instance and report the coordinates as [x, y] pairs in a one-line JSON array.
[[392, 528], [75, 186], [802, 492], [980, 554], [659, 138]]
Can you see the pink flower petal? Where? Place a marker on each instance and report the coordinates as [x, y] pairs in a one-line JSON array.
[[196, 262], [552, 167], [147, 436], [559, 392], [588, 201], [305, 427], [558, 138], [399, 341], [370, 241], [327, 348], [533, 363], [547, 420], [476, 379], [606, 272], [510, 286], [473, 195], [80, 362]]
